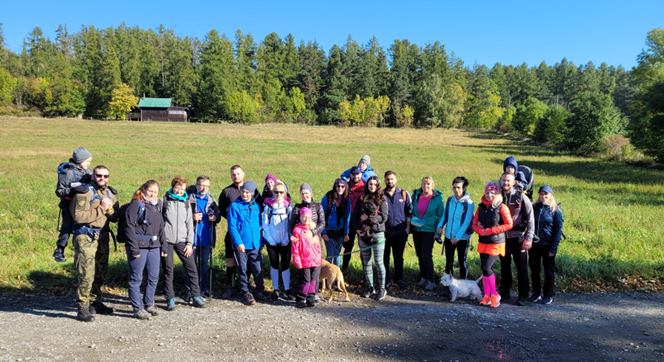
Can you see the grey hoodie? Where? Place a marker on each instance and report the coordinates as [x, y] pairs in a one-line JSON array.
[[178, 221], [522, 214]]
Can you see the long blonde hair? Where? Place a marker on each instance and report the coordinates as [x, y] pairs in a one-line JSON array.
[[553, 205]]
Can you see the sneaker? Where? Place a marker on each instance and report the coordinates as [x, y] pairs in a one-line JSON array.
[[422, 283], [401, 285], [495, 301], [84, 315], [152, 310], [300, 304], [59, 256], [534, 298], [170, 304], [485, 301], [142, 314], [249, 299], [430, 286], [547, 300], [198, 302], [521, 301], [382, 293], [286, 295], [228, 294], [100, 308], [369, 292]]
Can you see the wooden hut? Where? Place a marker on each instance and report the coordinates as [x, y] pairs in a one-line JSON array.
[[162, 110]]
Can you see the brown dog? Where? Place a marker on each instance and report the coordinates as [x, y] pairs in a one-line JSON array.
[[333, 275]]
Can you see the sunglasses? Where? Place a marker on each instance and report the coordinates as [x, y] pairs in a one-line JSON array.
[[341, 186], [279, 192], [101, 176]]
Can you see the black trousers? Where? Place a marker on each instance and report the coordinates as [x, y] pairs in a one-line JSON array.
[[395, 242], [65, 227], [348, 247], [308, 282], [189, 265], [461, 248], [539, 254], [424, 249], [276, 252], [514, 250]]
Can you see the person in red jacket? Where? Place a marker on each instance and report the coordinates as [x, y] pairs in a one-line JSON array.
[[355, 190], [492, 219]]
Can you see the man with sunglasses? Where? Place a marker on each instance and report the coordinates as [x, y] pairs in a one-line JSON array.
[[92, 209]]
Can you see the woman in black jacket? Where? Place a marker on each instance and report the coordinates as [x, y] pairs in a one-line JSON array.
[[369, 217], [145, 243]]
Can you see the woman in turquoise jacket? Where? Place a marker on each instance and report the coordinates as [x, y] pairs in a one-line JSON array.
[[428, 208], [457, 223]]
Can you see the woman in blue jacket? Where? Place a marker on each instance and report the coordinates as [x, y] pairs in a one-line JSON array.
[[457, 221], [549, 229], [336, 205]]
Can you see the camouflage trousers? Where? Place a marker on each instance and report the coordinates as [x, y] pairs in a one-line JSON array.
[[91, 261]]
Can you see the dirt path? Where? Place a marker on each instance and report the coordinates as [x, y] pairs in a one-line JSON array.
[[575, 328]]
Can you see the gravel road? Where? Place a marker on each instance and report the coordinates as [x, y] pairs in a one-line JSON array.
[[577, 327]]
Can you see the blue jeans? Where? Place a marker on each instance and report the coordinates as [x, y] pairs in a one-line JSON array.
[[203, 268], [333, 250], [148, 258]]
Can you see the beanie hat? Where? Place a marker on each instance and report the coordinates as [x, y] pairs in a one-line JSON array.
[[305, 210], [366, 160], [249, 186], [306, 186], [80, 154], [491, 187], [270, 177]]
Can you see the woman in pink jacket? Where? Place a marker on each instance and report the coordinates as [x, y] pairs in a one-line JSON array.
[[307, 256]]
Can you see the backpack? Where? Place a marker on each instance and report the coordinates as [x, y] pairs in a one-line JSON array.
[[63, 171], [140, 219], [469, 230], [530, 180]]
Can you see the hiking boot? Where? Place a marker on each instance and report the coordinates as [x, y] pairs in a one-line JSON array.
[[521, 301], [495, 301], [310, 303], [59, 255], [228, 294], [262, 297], [369, 292], [100, 308], [286, 295], [485, 301], [534, 298], [249, 299], [170, 304], [505, 296], [152, 310], [198, 302], [382, 293], [84, 315], [430, 286], [422, 283], [274, 296], [300, 304], [547, 300], [142, 314], [206, 294], [401, 285], [187, 297]]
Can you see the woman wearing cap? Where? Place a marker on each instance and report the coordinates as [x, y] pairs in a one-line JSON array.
[[373, 194], [244, 226], [145, 241], [490, 222], [549, 229], [336, 205], [306, 257], [428, 208], [276, 214]]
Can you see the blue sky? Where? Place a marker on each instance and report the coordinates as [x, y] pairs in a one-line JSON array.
[[486, 32]]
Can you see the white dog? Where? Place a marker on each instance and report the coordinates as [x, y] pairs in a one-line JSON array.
[[462, 288]]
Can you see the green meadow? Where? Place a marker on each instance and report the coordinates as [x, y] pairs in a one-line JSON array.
[[613, 211]]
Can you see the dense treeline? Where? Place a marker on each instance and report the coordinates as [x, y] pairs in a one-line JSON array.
[[99, 73]]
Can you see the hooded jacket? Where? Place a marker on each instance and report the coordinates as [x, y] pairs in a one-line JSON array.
[[458, 217], [368, 172], [178, 222], [244, 224], [69, 173], [510, 161], [275, 221], [521, 209], [306, 250], [433, 214], [548, 226]]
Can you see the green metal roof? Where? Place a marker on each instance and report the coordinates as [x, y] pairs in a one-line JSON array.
[[154, 102]]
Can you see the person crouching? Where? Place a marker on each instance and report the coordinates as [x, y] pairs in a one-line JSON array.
[[307, 257]]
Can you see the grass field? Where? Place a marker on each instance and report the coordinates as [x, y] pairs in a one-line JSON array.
[[613, 211]]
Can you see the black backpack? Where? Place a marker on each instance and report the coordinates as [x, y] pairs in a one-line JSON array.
[[530, 180], [140, 219]]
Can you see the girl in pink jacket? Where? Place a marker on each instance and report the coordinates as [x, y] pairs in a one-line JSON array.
[[306, 257]]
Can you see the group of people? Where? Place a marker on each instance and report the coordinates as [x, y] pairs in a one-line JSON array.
[[183, 222]]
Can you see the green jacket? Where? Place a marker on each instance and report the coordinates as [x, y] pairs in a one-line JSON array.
[[434, 213]]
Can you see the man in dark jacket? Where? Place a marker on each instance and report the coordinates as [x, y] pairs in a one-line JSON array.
[[92, 209], [226, 198], [397, 227], [71, 174], [519, 239]]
